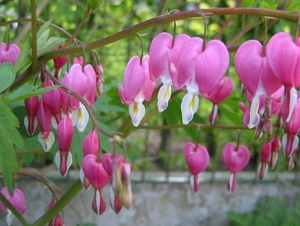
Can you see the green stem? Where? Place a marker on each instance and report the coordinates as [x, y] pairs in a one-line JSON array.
[[167, 18], [63, 201], [34, 38], [163, 19], [78, 28], [13, 210], [192, 125], [85, 103], [29, 152]]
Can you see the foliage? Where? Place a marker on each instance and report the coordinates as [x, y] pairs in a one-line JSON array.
[[269, 211]]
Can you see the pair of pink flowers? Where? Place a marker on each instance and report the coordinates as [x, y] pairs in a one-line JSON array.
[[197, 159], [270, 76], [98, 171], [181, 62]]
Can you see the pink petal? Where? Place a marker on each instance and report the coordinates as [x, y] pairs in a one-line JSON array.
[[196, 157], [94, 171], [211, 65], [282, 55], [186, 56], [235, 158]]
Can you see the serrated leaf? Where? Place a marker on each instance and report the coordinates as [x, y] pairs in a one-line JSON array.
[[8, 160], [9, 123], [7, 76]]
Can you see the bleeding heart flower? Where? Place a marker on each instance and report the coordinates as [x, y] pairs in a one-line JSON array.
[[256, 75], [126, 193], [197, 159], [136, 87], [163, 64], [77, 81], [265, 155], [290, 140], [221, 91], [90, 145], [200, 70], [276, 144], [44, 116], [65, 132], [235, 158], [30, 120], [9, 53], [17, 200], [59, 62], [52, 99], [283, 57], [98, 177]]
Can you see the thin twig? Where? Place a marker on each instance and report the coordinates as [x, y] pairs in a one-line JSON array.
[[85, 103]]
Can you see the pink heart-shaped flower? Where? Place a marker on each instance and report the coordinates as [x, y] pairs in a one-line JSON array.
[[255, 72], [235, 157], [196, 157], [9, 53], [94, 171]]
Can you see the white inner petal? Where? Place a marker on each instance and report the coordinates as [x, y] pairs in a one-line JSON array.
[[189, 106]]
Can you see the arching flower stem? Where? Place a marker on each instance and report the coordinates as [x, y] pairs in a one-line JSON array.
[[82, 100]]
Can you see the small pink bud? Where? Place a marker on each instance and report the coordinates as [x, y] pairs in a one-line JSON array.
[[276, 144], [78, 60], [65, 132], [115, 201], [30, 121], [59, 62], [265, 155], [52, 99], [98, 203], [91, 144]]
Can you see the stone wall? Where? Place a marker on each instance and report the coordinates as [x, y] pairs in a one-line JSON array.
[[156, 204]]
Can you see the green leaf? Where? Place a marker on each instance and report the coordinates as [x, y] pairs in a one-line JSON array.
[[50, 44], [44, 44], [25, 56], [9, 135], [269, 5], [27, 91], [7, 76], [293, 6], [8, 160], [9, 122], [172, 114], [2, 36], [250, 3], [44, 28]]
